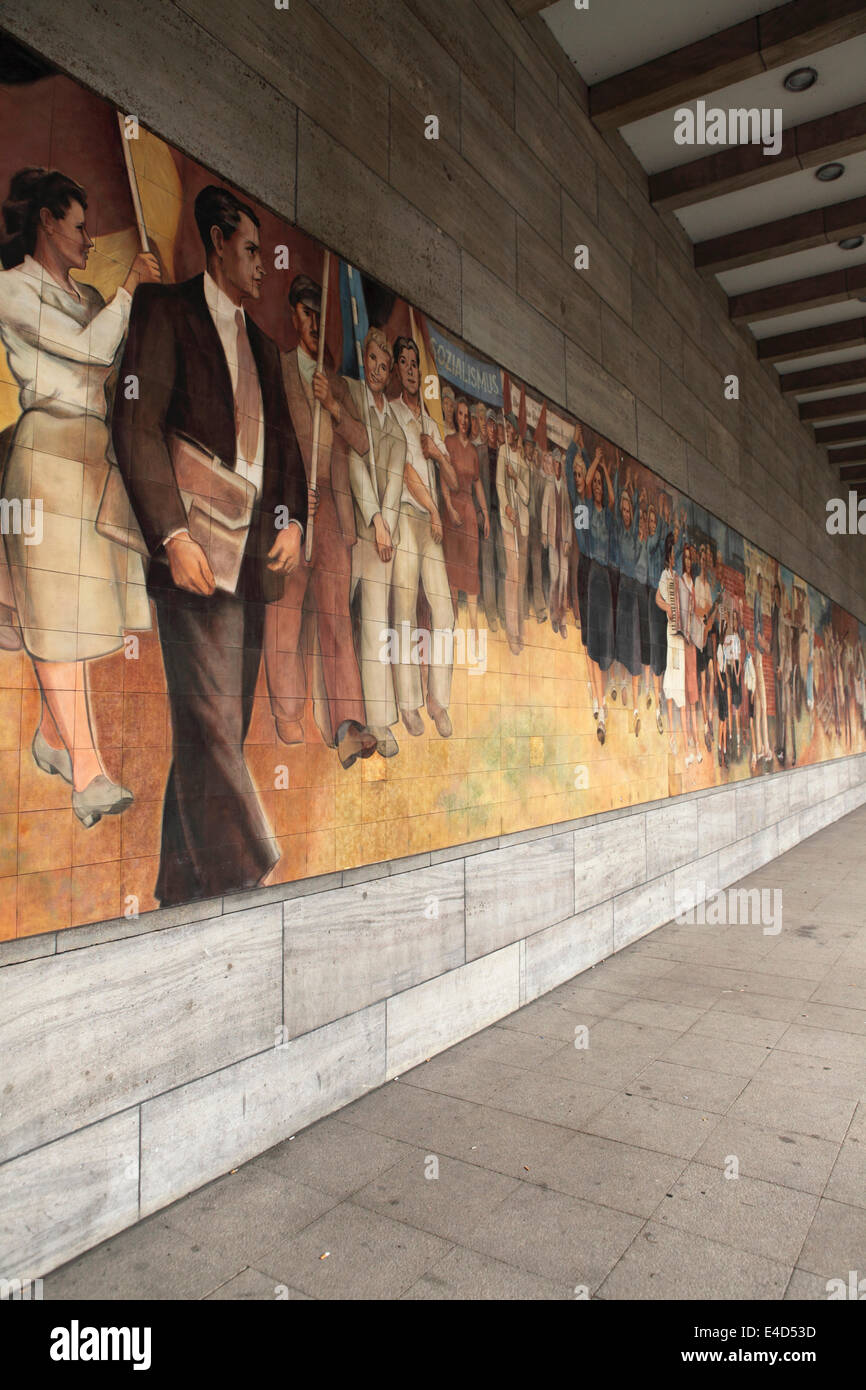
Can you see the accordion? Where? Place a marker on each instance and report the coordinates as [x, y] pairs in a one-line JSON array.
[[672, 595]]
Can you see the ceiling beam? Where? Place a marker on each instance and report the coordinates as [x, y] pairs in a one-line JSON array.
[[819, 378], [524, 8], [787, 347], [742, 166], [855, 474], [743, 50], [841, 434], [834, 407], [813, 292], [855, 455], [805, 231]]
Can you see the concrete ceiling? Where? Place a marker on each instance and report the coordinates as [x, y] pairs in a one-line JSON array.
[[744, 66]]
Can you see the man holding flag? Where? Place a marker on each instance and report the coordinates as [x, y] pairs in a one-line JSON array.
[[324, 581]]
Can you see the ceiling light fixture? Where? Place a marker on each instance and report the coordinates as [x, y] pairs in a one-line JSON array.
[[801, 79], [851, 243], [828, 172]]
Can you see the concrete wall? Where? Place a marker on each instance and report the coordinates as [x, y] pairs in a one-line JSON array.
[[142, 1059]]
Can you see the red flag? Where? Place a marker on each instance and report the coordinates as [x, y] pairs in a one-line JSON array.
[[541, 429], [506, 393]]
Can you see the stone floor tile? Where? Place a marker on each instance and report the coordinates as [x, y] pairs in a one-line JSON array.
[[664, 1262], [652, 1124], [437, 1194], [350, 1253], [150, 1261], [759, 1217], [251, 1286], [847, 1181], [557, 1099], [464, 1274], [333, 1156], [242, 1214], [694, 1087], [836, 1241], [782, 1157], [610, 1174], [789, 1110], [558, 1237], [724, 1055], [745, 1028]]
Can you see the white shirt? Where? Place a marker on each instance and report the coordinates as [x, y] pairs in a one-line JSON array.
[[381, 415], [61, 347], [223, 312], [306, 366], [410, 423]]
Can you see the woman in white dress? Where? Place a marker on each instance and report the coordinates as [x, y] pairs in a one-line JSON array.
[[75, 591]]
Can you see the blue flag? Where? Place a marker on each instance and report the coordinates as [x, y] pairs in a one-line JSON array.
[[352, 287]]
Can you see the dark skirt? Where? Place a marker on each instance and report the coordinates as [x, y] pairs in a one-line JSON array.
[[628, 625], [583, 566], [658, 625], [645, 595], [723, 696], [736, 691], [599, 615]]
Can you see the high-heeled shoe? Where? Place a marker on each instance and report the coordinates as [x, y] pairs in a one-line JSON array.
[[51, 760], [99, 798]]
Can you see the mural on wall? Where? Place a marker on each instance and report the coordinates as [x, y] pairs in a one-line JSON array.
[[293, 581]]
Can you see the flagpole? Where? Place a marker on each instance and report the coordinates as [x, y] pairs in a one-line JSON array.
[[317, 408], [133, 186], [365, 404]]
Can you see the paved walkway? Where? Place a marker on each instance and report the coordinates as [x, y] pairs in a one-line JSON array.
[[605, 1168]]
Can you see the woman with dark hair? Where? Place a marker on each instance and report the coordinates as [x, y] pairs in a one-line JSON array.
[[76, 592], [462, 505], [599, 599]]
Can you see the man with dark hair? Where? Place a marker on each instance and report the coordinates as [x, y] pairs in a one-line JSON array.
[[323, 585], [208, 380]]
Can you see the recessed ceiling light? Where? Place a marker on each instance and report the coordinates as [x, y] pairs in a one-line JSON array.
[[828, 172], [801, 79], [851, 243]]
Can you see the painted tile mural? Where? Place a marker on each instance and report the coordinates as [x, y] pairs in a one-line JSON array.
[[482, 617]]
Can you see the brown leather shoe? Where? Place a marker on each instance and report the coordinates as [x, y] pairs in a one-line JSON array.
[[353, 742]]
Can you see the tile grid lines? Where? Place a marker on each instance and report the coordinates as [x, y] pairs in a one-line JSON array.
[[490, 1104], [305, 887]]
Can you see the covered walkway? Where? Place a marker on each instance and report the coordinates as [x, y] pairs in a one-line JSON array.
[[708, 1142]]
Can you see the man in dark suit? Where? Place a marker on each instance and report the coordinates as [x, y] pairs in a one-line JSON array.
[[201, 368]]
